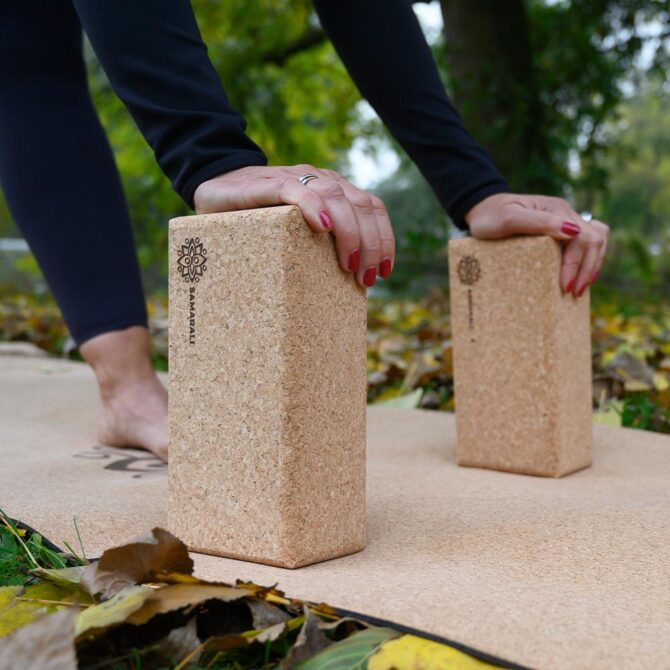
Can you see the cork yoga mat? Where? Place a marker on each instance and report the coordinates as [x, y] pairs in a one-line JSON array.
[[547, 573]]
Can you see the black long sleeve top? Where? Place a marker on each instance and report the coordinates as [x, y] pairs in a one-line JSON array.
[[156, 61]]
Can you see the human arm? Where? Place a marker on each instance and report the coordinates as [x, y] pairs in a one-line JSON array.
[[386, 53]]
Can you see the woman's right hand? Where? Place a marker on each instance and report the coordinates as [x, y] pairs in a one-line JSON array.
[[359, 221], [584, 242]]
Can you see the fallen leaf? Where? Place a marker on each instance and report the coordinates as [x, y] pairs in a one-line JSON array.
[[180, 643], [310, 641], [65, 577], [610, 415], [636, 373], [45, 644], [179, 596], [270, 634], [20, 606], [415, 653], [409, 401], [350, 652], [138, 562], [111, 612], [265, 614]]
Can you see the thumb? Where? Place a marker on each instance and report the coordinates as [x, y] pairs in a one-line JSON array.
[[525, 221]]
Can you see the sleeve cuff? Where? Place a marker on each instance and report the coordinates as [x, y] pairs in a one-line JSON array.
[[458, 211]]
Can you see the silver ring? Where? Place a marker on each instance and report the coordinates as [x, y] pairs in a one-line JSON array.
[[307, 177]]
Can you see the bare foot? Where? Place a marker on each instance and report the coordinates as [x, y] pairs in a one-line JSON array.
[[135, 415], [134, 402]]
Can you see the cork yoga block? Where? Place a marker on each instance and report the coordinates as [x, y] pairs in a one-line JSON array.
[[522, 358], [267, 390]]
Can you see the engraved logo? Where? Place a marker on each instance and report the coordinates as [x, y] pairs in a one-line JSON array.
[[140, 464], [192, 259], [469, 270]]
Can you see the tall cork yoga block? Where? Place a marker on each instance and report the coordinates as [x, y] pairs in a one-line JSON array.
[[267, 390], [522, 358]]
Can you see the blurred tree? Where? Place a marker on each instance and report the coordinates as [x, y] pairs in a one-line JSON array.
[[637, 199], [493, 79], [540, 84], [537, 80], [638, 166]]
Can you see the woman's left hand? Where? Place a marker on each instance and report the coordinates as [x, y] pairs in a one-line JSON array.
[[585, 242], [359, 221]]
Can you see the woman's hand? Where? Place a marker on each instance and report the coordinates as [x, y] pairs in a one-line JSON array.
[[506, 214], [363, 234]]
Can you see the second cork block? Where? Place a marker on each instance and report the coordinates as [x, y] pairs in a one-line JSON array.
[[522, 358], [267, 390]]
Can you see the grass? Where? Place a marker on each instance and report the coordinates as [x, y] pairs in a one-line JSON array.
[[22, 551]]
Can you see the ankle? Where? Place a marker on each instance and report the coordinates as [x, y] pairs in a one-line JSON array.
[[120, 359]]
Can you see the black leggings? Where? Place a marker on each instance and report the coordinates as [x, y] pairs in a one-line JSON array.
[[58, 173], [57, 169]]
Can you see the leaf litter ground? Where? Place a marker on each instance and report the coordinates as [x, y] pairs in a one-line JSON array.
[[410, 358], [140, 607]]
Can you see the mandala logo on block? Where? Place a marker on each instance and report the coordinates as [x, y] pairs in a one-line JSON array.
[[469, 270], [192, 259]]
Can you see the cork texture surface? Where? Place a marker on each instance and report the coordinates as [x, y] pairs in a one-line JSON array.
[[267, 390], [555, 574], [522, 358]]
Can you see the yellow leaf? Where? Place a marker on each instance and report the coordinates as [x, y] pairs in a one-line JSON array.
[[21, 606], [415, 653], [113, 611], [610, 415], [661, 381], [636, 386], [409, 401]]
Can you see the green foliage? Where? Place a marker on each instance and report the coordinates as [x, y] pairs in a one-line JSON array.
[[21, 551], [640, 411]]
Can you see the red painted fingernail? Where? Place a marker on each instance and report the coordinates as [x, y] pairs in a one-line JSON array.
[[354, 258], [385, 268], [369, 277], [568, 288], [580, 293], [325, 219], [570, 228], [594, 276]]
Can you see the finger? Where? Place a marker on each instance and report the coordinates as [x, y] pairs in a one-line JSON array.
[[386, 238], [252, 191], [525, 221], [573, 253], [368, 229], [345, 224], [586, 270], [603, 231], [311, 203]]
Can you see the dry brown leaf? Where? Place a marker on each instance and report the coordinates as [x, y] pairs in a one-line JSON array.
[[310, 641], [265, 614], [180, 643], [141, 561], [179, 596]]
